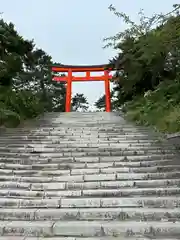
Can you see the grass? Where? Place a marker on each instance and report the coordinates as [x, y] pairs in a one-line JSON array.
[[159, 108]]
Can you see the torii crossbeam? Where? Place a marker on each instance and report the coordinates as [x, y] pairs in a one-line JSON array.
[[87, 69]]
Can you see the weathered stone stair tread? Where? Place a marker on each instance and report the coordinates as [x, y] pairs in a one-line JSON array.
[[90, 177], [96, 143], [67, 214], [88, 238], [13, 163], [77, 238], [136, 202], [84, 157], [39, 186], [89, 228], [87, 176], [89, 151], [166, 191], [39, 170], [109, 184]]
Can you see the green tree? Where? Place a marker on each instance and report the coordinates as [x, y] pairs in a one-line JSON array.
[[26, 88], [79, 102], [100, 104], [148, 68], [148, 52]]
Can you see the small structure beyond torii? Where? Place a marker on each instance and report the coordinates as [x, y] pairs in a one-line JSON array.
[[106, 77]]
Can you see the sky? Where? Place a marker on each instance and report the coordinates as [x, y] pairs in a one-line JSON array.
[[72, 31]]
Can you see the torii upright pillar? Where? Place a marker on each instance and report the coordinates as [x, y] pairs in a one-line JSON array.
[[87, 69], [69, 91], [107, 92]]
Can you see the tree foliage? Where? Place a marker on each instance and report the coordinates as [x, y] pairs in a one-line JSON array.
[[79, 102], [100, 104], [26, 88], [148, 54]]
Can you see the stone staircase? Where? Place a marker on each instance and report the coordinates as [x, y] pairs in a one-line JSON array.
[[87, 176]]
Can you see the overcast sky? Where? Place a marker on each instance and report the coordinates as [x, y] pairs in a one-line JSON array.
[[71, 31]]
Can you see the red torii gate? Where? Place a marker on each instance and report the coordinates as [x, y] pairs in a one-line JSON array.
[[87, 69]]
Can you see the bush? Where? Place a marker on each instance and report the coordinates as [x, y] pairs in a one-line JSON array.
[[18, 106], [160, 109]]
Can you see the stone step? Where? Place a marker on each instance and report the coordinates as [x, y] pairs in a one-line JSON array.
[[153, 169], [39, 163], [164, 202], [102, 128], [34, 164], [91, 214], [40, 176], [106, 174], [138, 202], [88, 129], [44, 229], [88, 238], [115, 184], [126, 139], [85, 147], [88, 185], [81, 157], [87, 150], [74, 238], [118, 214], [106, 128], [81, 134], [101, 148], [16, 238], [46, 169], [80, 131], [129, 192], [57, 139], [94, 144], [92, 161], [87, 134]]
